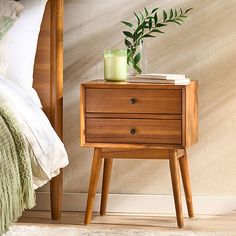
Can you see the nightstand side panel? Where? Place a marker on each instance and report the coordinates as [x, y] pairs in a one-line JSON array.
[[191, 113]]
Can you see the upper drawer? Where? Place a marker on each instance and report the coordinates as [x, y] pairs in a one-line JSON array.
[[161, 101]]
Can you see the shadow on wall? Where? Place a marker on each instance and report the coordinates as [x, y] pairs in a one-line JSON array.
[[203, 48]]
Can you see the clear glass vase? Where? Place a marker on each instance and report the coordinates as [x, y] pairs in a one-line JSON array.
[[137, 60]]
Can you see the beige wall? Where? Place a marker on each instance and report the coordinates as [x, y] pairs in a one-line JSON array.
[[204, 48]]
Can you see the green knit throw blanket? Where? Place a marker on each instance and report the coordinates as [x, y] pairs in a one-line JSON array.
[[16, 181], [5, 25]]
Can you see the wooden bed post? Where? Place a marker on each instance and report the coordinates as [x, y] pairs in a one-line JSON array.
[[48, 82], [56, 106]]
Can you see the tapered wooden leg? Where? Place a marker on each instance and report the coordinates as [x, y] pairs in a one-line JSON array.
[[95, 171], [183, 161], [105, 185], [174, 171], [56, 185]]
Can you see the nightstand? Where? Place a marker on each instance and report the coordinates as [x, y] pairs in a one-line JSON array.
[[141, 121]]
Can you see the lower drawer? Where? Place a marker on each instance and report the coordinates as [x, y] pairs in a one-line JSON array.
[[146, 131]]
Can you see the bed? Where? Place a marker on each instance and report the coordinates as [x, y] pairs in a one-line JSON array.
[[47, 70]]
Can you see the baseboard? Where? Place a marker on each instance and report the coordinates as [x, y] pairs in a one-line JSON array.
[[142, 204]]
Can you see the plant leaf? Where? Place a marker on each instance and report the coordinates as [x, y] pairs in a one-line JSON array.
[[155, 19], [160, 25], [181, 11], [128, 43], [141, 14], [179, 19], [128, 34], [189, 9], [127, 23], [171, 14], [158, 31], [145, 25], [146, 11], [139, 28], [175, 21], [164, 15], [150, 24], [137, 58], [137, 18], [148, 36], [154, 10], [176, 13], [130, 59], [138, 69], [129, 55], [138, 35]]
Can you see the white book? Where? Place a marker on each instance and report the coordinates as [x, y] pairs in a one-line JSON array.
[[161, 76], [160, 81]]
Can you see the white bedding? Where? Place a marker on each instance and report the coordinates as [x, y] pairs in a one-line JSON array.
[[23, 44], [46, 145]]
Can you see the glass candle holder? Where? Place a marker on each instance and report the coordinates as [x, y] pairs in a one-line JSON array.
[[115, 65]]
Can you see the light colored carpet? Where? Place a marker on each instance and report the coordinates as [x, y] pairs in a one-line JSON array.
[[52, 230]]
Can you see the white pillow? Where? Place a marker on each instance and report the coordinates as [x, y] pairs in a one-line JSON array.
[[4, 43], [10, 8], [23, 44], [9, 12]]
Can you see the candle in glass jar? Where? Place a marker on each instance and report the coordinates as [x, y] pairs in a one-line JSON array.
[[115, 65]]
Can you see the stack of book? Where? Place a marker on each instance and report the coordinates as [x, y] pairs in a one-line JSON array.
[[178, 79]]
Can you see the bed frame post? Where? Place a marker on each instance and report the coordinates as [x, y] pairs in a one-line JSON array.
[[56, 106]]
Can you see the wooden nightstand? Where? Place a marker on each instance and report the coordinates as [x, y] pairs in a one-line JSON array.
[[142, 121]]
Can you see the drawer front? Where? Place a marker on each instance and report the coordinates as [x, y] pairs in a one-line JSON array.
[[103, 130], [156, 101]]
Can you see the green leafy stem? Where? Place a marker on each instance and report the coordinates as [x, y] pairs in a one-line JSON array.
[[148, 23]]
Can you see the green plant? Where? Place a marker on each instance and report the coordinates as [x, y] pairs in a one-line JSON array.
[[148, 23]]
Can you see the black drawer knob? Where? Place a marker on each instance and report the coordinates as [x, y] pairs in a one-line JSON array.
[[133, 131], [132, 100]]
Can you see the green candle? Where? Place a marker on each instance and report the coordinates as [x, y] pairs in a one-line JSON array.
[[115, 65]]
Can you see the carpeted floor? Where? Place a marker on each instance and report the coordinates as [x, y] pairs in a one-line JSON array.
[[53, 230]]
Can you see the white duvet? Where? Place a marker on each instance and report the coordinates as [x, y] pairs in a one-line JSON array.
[[46, 145]]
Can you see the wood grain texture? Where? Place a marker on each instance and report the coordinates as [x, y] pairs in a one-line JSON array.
[[145, 131], [159, 101], [56, 65], [82, 115], [183, 162], [105, 185], [56, 189], [95, 171], [42, 66], [48, 82], [133, 145], [140, 121], [133, 116], [48, 69], [130, 153], [102, 84], [191, 114], [56, 93], [174, 171], [101, 99]]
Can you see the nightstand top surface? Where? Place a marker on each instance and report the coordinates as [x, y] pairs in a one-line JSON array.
[[101, 83]]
